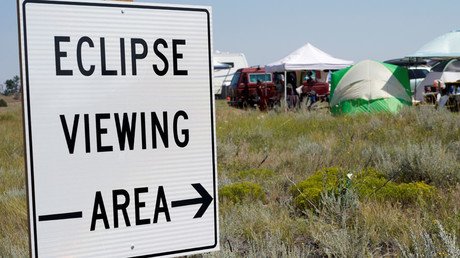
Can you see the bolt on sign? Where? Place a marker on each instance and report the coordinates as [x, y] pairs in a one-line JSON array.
[[119, 128]]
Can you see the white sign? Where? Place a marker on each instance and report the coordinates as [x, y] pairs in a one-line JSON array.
[[119, 123]]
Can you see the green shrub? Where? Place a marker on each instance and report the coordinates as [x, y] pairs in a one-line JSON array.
[[3, 103], [307, 194], [368, 184], [239, 192], [255, 173], [374, 185]]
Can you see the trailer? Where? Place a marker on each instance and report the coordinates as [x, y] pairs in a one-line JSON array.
[[225, 65]]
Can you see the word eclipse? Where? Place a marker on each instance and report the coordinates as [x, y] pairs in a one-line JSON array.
[[139, 50]]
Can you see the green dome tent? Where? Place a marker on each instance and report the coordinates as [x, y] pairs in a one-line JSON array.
[[370, 86]]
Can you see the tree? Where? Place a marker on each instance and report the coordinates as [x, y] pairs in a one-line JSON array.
[[12, 86]]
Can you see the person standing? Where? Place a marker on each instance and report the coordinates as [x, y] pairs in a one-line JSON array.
[[293, 95], [262, 91], [443, 93], [279, 85]]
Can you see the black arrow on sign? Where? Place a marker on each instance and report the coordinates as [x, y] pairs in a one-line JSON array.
[[205, 200]]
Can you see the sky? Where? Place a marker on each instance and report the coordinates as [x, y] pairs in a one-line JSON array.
[[267, 30]]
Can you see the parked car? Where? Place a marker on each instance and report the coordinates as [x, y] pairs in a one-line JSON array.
[[314, 82]]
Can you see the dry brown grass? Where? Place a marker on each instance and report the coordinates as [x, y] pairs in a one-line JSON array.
[[13, 207]]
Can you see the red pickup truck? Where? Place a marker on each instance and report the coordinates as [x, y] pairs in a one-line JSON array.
[[250, 87], [244, 91]]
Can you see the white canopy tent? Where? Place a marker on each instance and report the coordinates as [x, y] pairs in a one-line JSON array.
[[308, 57], [444, 46]]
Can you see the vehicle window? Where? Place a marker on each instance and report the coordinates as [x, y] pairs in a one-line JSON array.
[[263, 77], [411, 74], [421, 73], [235, 79], [313, 76], [417, 73]]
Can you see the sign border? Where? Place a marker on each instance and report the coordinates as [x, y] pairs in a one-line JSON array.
[[24, 48]]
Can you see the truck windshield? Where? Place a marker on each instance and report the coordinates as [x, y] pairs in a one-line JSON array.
[[313, 75], [235, 79], [263, 77]]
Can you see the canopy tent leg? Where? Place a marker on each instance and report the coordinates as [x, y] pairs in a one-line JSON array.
[[285, 91]]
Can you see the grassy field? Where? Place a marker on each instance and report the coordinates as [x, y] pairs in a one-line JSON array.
[[263, 157], [13, 206], [419, 144]]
